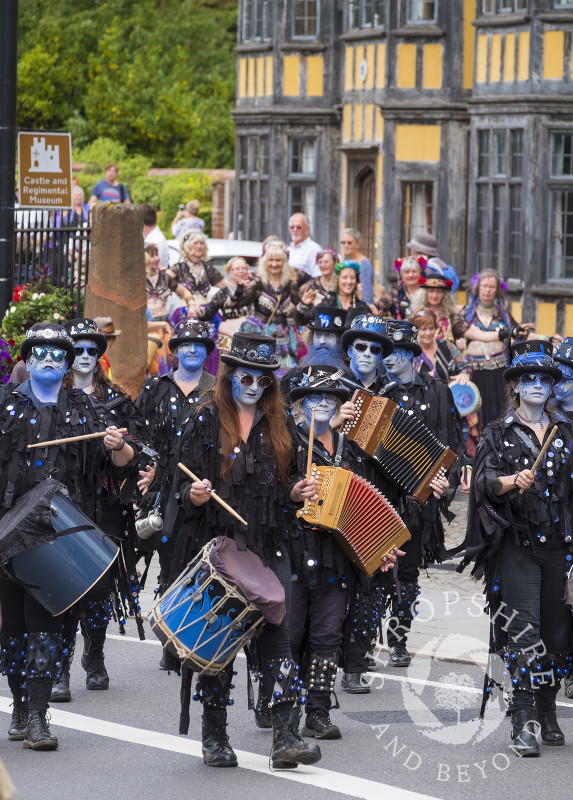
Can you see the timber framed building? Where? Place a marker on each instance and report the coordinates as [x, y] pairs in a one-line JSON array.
[[400, 116]]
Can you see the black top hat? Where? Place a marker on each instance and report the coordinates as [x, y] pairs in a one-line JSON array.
[[317, 380], [532, 356], [87, 329], [328, 319], [252, 350], [192, 330], [368, 326], [46, 333], [403, 334], [564, 353]]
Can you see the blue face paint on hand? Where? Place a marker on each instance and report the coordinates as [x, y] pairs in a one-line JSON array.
[[247, 395], [192, 356]]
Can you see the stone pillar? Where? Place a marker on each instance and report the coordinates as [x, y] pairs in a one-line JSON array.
[[116, 288], [218, 214]]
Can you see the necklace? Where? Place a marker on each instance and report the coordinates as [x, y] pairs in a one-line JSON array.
[[532, 421]]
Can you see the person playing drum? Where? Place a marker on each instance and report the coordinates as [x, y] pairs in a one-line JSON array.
[[41, 410]]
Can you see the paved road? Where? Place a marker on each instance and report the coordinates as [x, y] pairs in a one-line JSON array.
[[417, 734]]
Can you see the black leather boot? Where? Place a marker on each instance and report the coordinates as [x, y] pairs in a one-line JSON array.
[[217, 752], [61, 692], [93, 660], [19, 718], [525, 732], [399, 655], [289, 749], [38, 735], [551, 733], [262, 709]]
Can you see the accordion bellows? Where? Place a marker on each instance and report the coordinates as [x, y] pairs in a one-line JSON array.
[[406, 451], [363, 522]]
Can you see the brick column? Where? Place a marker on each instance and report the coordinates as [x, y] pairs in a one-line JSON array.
[[218, 214]]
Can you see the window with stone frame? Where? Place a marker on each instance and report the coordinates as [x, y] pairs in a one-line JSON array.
[[560, 245], [503, 6], [256, 20], [499, 201], [563, 3], [305, 16], [302, 161], [365, 13], [417, 210], [253, 186], [420, 11]]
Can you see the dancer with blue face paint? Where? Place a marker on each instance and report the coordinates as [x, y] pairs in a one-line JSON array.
[[40, 409], [520, 533], [324, 579], [240, 441], [165, 403], [564, 388]]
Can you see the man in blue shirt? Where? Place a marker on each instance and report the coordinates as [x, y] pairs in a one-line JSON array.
[[109, 189]]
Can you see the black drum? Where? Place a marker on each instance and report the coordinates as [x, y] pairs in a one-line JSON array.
[[60, 572]]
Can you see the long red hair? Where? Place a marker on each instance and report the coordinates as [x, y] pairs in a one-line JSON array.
[[277, 442]]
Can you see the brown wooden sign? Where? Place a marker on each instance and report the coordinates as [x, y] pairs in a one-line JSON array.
[[44, 169]]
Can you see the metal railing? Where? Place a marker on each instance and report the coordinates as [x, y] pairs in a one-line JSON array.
[[66, 250]]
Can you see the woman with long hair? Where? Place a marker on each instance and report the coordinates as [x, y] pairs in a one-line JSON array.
[[156, 284], [439, 358], [240, 442], [347, 287], [351, 246], [435, 294], [519, 535]]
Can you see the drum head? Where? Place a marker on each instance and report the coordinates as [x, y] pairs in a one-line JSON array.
[[466, 397]]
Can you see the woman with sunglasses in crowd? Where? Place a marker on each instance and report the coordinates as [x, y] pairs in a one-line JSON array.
[[520, 529], [240, 443], [42, 410], [107, 597]]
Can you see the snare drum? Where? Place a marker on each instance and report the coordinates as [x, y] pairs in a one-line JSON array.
[[203, 619]]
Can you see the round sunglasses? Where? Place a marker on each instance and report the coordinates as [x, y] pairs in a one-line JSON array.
[[91, 351], [41, 352], [375, 349], [318, 398], [263, 382], [534, 377]]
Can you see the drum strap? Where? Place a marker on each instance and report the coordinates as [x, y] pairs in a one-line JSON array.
[[76, 529]]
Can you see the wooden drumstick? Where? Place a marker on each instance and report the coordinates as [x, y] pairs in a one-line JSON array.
[[81, 438], [214, 494], [542, 453], [309, 457]]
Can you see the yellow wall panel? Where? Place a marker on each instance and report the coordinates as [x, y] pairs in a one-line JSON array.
[[516, 311], [347, 123], [481, 63], [379, 131], [291, 76], [348, 67], [523, 57], [358, 58], [250, 77], [344, 178], [509, 58], [553, 43], [269, 75], [242, 80], [379, 179], [381, 65], [469, 43], [358, 131], [546, 318], [314, 74], [495, 63], [369, 82], [568, 320], [432, 66], [418, 142], [368, 121], [406, 66], [260, 80]]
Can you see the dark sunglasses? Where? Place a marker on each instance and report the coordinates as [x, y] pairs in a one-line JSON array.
[[91, 351], [375, 349], [533, 377], [318, 398], [263, 382], [41, 352]]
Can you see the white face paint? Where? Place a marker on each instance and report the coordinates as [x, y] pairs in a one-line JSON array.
[[534, 393], [247, 396], [84, 363], [399, 363], [364, 363], [324, 341]]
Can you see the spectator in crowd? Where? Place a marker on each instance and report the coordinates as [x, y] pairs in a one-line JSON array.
[[320, 290], [79, 215], [187, 219], [435, 293], [152, 234], [347, 286], [351, 241], [396, 303], [156, 281], [440, 359], [109, 189], [302, 250], [424, 244]]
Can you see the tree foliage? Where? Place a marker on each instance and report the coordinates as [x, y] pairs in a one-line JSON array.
[[155, 76]]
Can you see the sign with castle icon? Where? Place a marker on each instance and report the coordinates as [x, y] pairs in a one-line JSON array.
[[44, 169]]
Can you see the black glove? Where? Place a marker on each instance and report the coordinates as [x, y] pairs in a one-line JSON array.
[[503, 334]]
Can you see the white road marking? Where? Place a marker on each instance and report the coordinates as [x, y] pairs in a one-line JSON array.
[[349, 785]]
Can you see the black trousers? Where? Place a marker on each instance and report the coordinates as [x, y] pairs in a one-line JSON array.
[[532, 584], [409, 565], [21, 613]]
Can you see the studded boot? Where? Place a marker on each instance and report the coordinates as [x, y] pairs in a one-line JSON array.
[[13, 655], [320, 688], [94, 624], [43, 665]]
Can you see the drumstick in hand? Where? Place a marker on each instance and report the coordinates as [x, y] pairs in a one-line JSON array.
[[84, 437], [542, 453], [309, 457], [214, 494]]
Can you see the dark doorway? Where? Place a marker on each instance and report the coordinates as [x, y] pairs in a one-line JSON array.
[[364, 209]]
